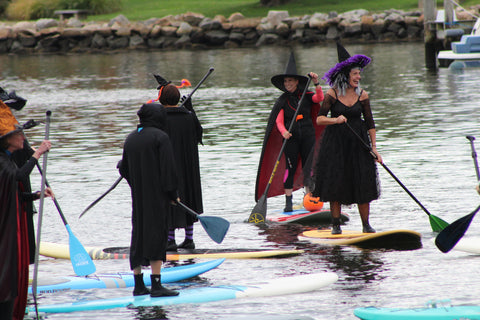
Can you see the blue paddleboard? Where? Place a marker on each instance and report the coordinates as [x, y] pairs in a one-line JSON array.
[[436, 313], [278, 286], [123, 280]]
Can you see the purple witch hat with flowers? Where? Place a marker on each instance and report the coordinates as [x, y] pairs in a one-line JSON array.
[[344, 65]]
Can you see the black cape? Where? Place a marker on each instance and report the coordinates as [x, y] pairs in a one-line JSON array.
[[184, 135], [149, 167], [13, 234], [20, 157], [272, 143]]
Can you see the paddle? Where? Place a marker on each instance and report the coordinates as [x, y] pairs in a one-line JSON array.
[[451, 234], [120, 178], [448, 237], [198, 85], [436, 223], [40, 215], [259, 212], [215, 227], [81, 261], [474, 156], [102, 196]]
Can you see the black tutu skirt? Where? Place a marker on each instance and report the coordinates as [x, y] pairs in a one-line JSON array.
[[345, 171]]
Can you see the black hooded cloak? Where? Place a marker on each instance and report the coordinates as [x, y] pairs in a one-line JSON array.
[[184, 135], [149, 167]]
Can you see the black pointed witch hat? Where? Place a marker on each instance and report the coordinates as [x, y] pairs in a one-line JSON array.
[[290, 71], [161, 81], [12, 100]]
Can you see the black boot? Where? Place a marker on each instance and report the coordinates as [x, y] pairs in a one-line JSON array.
[[187, 244], [158, 290], [171, 245], [367, 228], [288, 204], [336, 226], [140, 288]]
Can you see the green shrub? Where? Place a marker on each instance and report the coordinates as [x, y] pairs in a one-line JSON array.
[[43, 9], [3, 6], [95, 6], [37, 9]]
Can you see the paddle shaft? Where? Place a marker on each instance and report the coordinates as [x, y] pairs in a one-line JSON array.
[[102, 196], [474, 156], [388, 170], [54, 199], [40, 214], [277, 162], [198, 85], [193, 213]]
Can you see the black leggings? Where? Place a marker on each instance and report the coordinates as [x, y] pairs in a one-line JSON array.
[[298, 144]]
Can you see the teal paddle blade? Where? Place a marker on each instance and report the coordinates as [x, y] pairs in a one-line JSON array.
[[81, 261], [215, 227]]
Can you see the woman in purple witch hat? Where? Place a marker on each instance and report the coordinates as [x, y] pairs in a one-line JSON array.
[[345, 171]]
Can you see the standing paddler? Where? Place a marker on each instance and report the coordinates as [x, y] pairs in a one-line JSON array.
[[14, 245], [300, 141], [148, 165], [185, 132]]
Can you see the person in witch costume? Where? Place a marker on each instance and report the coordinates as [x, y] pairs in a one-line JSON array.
[[13, 217], [300, 142], [185, 132], [20, 157], [148, 165], [345, 171]]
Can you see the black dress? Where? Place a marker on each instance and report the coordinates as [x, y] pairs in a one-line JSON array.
[[345, 170]]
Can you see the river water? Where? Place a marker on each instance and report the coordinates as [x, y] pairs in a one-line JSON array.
[[422, 119]]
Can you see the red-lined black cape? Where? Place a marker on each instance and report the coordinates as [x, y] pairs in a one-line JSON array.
[[272, 143], [13, 236]]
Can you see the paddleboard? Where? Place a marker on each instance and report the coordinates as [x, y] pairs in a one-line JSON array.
[[275, 287], [61, 251], [436, 313], [469, 244], [304, 216], [393, 239], [122, 279]]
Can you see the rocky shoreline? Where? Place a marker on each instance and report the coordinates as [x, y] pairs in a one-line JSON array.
[[193, 30]]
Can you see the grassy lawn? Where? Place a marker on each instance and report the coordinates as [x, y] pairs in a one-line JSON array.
[[145, 9]]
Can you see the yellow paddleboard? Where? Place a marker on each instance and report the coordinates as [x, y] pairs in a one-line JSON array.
[[392, 239], [61, 251]]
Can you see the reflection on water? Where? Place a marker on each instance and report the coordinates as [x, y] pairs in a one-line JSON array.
[[422, 119]]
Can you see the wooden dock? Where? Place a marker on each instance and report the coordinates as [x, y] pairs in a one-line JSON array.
[[441, 27]]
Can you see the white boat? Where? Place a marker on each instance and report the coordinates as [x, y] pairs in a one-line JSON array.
[[464, 53]]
